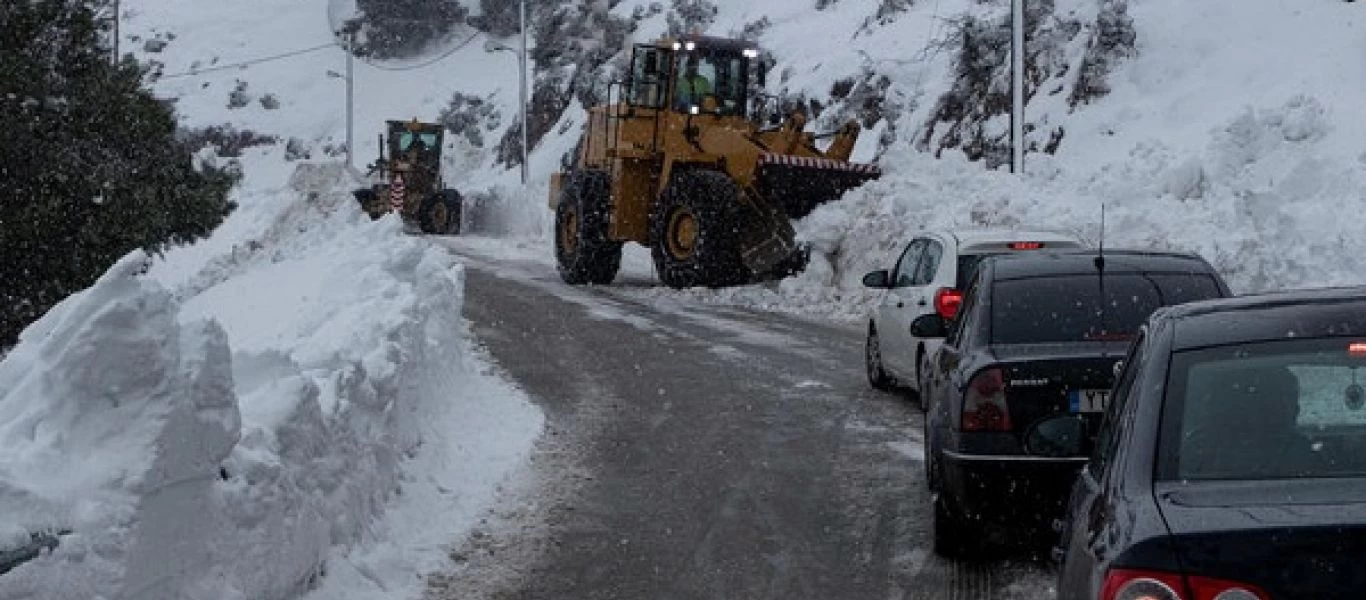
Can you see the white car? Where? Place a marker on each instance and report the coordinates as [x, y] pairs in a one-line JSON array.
[[929, 277]]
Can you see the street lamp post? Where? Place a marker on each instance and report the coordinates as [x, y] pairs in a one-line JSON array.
[[495, 46], [521, 90], [1017, 50], [349, 30], [116, 31]]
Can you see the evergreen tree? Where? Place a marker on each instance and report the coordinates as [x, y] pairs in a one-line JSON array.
[[90, 164], [501, 18]]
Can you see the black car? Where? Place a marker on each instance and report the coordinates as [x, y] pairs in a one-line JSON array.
[[1033, 340], [1232, 461]]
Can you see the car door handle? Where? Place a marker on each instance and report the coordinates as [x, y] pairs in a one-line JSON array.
[[922, 302], [900, 304]]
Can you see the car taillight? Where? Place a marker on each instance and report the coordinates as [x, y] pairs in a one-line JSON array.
[[1134, 584], [947, 301], [984, 403]]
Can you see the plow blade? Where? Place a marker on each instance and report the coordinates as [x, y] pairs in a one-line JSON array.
[[798, 184]]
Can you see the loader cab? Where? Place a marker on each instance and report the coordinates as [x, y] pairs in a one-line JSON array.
[[415, 145], [693, 75]]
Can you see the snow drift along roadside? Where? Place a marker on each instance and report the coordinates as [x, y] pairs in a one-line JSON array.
[[235, 437]]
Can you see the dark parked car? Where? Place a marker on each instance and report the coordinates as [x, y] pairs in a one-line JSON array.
[[1033, 340], [1232, 461]]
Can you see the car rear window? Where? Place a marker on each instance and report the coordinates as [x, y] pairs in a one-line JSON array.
[[968, 260], [1266, 410], [1067, 308]]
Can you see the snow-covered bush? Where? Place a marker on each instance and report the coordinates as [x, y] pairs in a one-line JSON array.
[[576, 45], [690, 16], [1112, 40], [403, 28], [469, 117]]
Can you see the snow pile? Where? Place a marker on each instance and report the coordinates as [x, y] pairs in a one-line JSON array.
[[218, 439], [114, 421]]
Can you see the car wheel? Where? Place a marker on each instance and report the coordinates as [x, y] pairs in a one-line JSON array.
[[954, 537], [872, 354], [931, 464], [920, 396]]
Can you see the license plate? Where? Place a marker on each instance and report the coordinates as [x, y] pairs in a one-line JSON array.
[[1088, 401]]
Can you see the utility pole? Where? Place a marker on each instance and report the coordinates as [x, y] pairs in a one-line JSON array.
[[350, 101], [522, 61], [350, 29], [1017, 51], [116, 32]]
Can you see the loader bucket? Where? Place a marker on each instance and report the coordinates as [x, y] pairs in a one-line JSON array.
[[798, 184]]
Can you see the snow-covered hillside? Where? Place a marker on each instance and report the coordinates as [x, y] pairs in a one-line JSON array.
[[1231, 132]]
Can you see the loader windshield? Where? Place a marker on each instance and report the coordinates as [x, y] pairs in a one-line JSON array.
[[703, 78], [428, 141]]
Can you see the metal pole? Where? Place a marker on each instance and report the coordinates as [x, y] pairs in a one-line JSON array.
[[350, 100], [116, 32], [522, 61], [1017, 49]]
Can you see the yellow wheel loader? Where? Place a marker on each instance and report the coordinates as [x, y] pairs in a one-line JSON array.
[[410, 180], [677, 160]]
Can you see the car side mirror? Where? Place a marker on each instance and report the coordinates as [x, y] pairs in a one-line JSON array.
[[1057, 436], [877, 279], [929, 326]]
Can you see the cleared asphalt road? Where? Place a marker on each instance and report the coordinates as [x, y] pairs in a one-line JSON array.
[[701, 452]]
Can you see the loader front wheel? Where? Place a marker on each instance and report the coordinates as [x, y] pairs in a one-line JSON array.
[[695, 237], [584, 253], [440, 213]]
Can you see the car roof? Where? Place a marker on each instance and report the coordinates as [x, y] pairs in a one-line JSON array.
[[1308, 313], [1064, 262], [994, 235]]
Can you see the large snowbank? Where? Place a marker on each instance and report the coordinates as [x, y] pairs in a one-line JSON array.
[[216, 433]]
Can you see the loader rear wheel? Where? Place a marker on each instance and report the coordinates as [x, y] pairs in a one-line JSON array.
[[695, 237], [584, 254], [440, 213]]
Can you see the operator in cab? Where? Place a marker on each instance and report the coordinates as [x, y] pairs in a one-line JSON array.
[[692, 86]]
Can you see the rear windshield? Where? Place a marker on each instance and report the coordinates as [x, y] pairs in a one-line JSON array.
[[967, 263], [1266, 410], [1067, 308]]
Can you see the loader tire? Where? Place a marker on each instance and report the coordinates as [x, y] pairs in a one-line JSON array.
[[440, 213], [584, 254], [695, 232]]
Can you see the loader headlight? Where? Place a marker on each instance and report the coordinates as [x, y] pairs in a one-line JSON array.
[[694, 110], [690, 46], [677, 46], [750, 53]]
